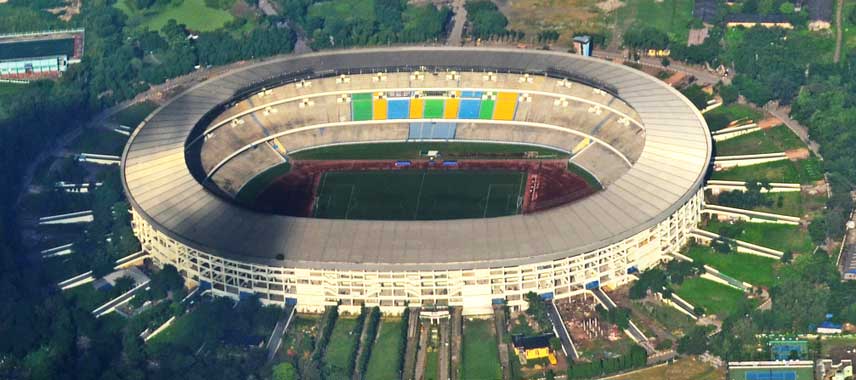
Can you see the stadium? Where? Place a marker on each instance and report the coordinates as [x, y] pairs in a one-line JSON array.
[[417, 177]]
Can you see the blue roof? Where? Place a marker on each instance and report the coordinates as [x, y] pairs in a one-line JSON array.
[[830, 325]]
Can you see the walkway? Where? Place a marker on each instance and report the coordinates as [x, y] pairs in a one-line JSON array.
[[459, 18], [632, 330], [279, 330], [782, 113], [839, 31], [562, 331], [702, 75]]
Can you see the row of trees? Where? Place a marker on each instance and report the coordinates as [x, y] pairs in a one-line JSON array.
[[636, 358]]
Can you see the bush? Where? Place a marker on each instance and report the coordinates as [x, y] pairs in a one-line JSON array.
[[664, 344]]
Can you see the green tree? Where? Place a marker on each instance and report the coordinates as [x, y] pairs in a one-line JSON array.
[[284, 371]]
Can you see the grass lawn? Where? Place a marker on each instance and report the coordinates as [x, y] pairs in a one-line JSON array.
[[563, 16], [687, 368], [10, 88], [415, 150], [87, 297], [836, 346], [418, 194], [431, 363], [791, 203], [134, 115], [99, 141], [342, 343], [773, 140], [480, 352], [782, 237], [720, 117], [59, 268], [194, 13], [755, 270], [386, 358], [670, 16], [802, 171], [715, 298], [672, 320]]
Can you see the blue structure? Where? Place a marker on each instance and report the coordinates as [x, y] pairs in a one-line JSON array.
[[398, 108], [432, 131], [582, 44], [771, 374], [593, 285], [469, 109]]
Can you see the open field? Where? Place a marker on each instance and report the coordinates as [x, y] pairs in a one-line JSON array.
[[99, 141], [415, 150], [670, 16], [715, 298], [480, 354], [802, 171], [10, 88], [564, 16], [419, 195], [773, 140], [134, 115], [756, 270], [688, 368], [782, 237], [194, 13], [386, 358], [674, 321], [342, 342], [720, 117], [838, 347]]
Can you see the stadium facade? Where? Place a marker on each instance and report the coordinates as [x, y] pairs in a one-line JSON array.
[[38, 55], [646, 144]]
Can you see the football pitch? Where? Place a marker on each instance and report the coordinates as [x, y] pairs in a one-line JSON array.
[[419, 194]]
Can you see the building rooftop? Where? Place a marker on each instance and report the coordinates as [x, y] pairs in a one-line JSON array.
[[668, 173]]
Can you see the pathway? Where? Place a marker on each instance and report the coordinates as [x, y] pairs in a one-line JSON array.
[[275, 340], [702, 75], [839, 31], [459, 18], [499, 325], [558, 325], [801, 131]]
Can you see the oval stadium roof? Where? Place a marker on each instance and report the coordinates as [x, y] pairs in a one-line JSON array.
[[669, 172]]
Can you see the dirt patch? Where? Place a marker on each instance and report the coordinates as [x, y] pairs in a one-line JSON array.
[[609, 5], [769, 122], [676, 78], [549, 183], [565, 16], [797, 154]]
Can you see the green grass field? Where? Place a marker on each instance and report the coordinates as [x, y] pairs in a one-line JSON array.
[[791, 203], [193, 13], [715, 298], [782, 237], [99, 141], [251, 190], [431, 370], [339, 350], [802, 171], [773, 140], [419, 194], [386, 358], [672, 320], [720, 117], [134, 115], [480, 352], [756, 270], [670, 16], [414, 150]]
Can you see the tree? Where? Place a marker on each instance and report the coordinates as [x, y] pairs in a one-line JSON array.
[[485, 18], [694, 343], [284, 371], [696, 95]]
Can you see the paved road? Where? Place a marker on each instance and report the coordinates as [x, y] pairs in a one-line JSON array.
[[499, 326], [839, 32], [459, 18], [562, 331], [443, 359], [457, 336], [801, 131], [422, 355], [279, 330], [412, 346], [701, 74]]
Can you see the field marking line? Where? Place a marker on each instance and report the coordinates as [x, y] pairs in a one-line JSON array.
[[350, 198], [318, 194], [419, 194], [487, 199], [521, 191]]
